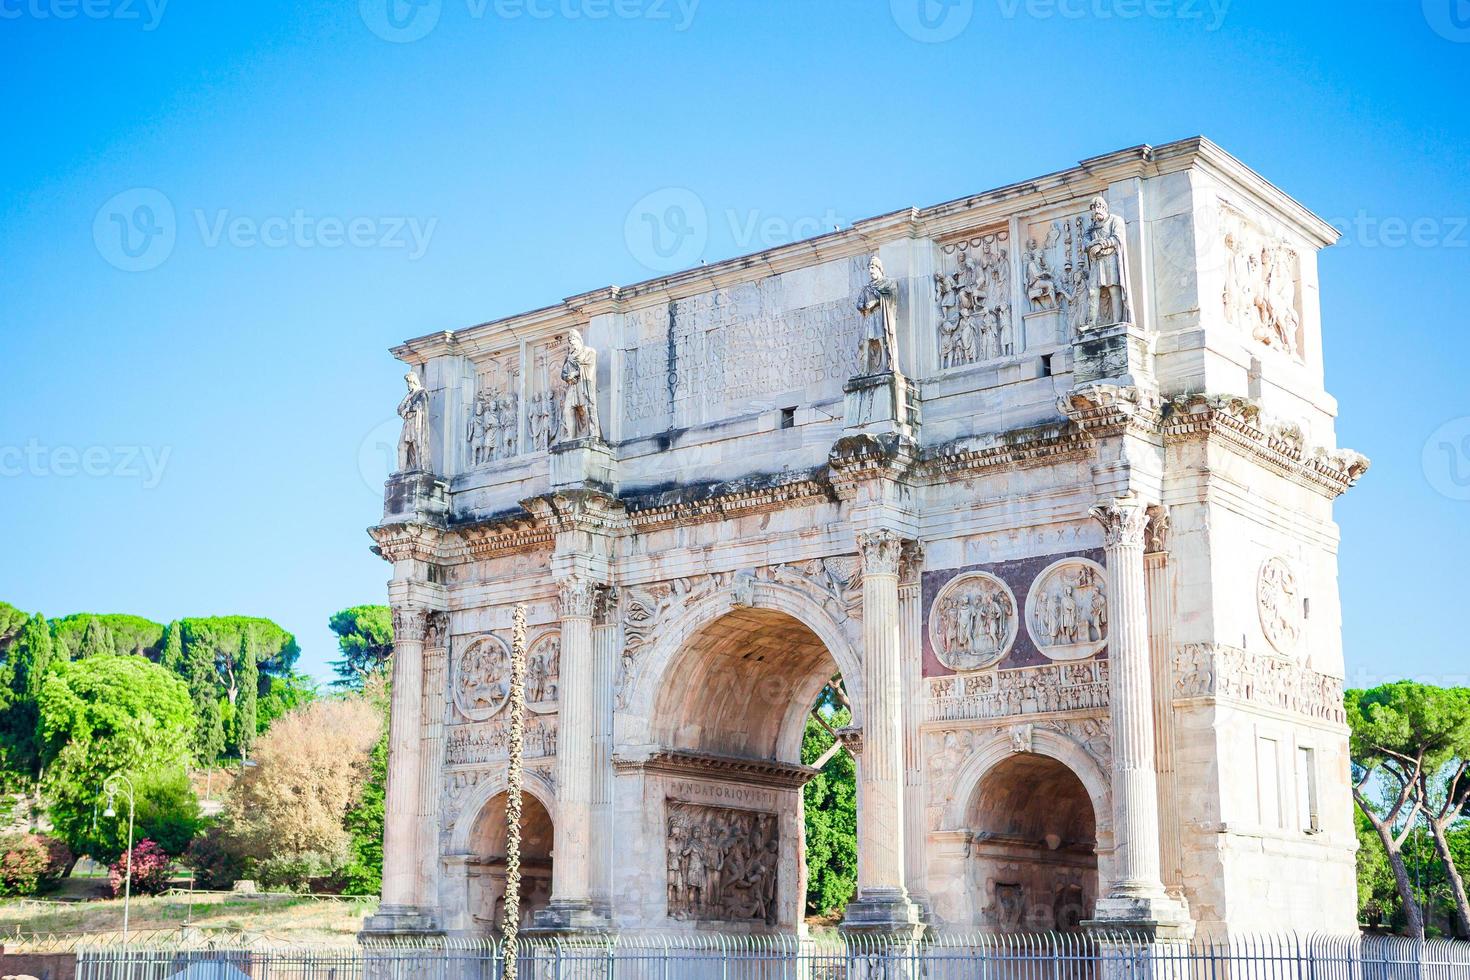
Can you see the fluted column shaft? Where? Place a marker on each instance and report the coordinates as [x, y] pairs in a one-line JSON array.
[[880, 810], [1135, 781], [911, 617], [570, 878], [431, 757], [405, 734]]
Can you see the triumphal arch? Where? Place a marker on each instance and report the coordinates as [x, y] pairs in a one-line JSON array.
[[1044, 474]]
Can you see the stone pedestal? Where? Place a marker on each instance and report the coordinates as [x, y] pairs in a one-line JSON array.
[[1118, 353], [878, 404], [882, 904], [415, 497], [583, 463], [1136, 901]]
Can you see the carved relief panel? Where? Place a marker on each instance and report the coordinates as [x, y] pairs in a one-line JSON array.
[[481, 677], [972, 623], [723, 864], [1262, 294], [1067, 610], [973, 290], [543, 673], [493, 430], [1054, 278], [544, 393], [1279, 601]]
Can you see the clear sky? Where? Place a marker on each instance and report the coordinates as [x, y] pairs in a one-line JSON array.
[[194, 400]]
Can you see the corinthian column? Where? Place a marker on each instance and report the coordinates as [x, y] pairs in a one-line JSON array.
[[571, 902], [882, 902], [1136, 897], [401, 812]]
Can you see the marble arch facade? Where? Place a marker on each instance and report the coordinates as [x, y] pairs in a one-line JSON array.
[[1072, 530]]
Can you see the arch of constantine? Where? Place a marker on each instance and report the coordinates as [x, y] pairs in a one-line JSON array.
[[1045, 474]]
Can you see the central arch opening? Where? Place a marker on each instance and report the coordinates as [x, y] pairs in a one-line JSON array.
[[488, 842], [731, 717], [1034, 849]]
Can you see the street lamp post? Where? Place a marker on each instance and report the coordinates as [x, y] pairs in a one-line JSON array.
[[114, 782]]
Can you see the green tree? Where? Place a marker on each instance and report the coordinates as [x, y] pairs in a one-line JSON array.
[[365, 637], [11, 620], [87, 634], [103, 715], [32, 657], [363, 873], [1403, 734], [280, 695], [830, 803], [167, 811], [172, 654], [245, 713]]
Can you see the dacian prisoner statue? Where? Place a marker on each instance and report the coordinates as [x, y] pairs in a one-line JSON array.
[[1059, 566]]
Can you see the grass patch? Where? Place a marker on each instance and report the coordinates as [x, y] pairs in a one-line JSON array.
[[295, 917]]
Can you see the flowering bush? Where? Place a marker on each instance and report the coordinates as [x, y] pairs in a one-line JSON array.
[[150, 870], [59, 859], [23, 860]]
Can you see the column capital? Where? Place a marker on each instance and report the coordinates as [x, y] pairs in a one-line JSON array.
[[579, 597], [910, 563], [1123, 520], [881, 550], [410, 624]]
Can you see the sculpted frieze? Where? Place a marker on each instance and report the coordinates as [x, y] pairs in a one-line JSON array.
[[723, 864], [1067, 610], [543, 673], [1279, 601], [973, 621], [1207, 670], [1262, 284], [1026, 690], [973, 290], [490, 741], [481, 677]]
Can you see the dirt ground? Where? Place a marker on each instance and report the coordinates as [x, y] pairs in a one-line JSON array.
[[298, 918]]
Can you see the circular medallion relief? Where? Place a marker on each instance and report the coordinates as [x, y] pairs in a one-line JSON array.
[[1067, 609], [543, 673], [973, 621], [482, 677], [1280, 603]]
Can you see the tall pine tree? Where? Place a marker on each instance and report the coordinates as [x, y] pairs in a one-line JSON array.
[[199, 676], [32, 657], [95, 640], [245, 705], [172, 656]]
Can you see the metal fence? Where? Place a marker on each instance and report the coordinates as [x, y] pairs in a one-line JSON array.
[[710, 957]]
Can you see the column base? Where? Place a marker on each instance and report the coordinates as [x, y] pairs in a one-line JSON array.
[[883, 912], [1150, 918], [567, 919], [398, 921], [583, 464]]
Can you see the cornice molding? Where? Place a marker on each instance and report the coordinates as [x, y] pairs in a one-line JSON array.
[[408, 542], [1237, 423], [723, 501], [767, 773]]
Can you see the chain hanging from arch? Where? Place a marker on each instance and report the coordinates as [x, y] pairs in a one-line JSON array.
[[517, 708]]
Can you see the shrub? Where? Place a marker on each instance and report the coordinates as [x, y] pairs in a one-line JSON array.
[[59, 859], [216, 859], [150, 870], [22, 863]]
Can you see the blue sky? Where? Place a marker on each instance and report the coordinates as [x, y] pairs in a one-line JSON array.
[[201, 435]]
